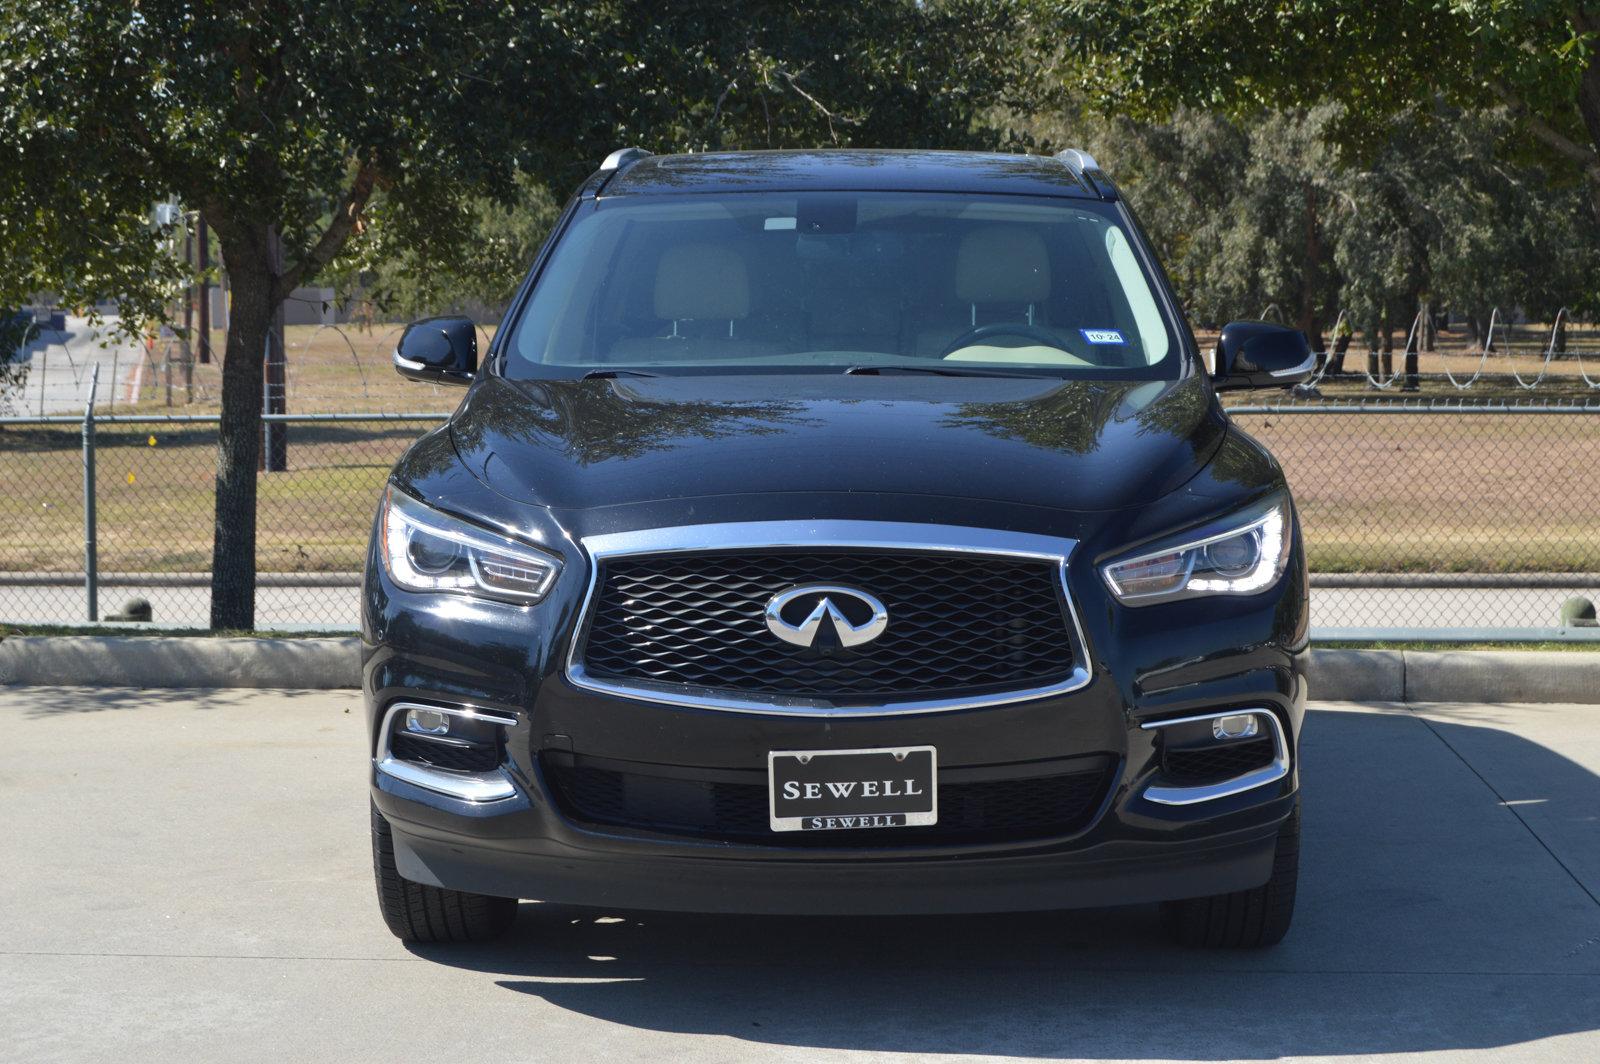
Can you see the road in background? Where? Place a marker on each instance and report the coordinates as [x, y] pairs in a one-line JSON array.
[[188, 879], [60, 365]]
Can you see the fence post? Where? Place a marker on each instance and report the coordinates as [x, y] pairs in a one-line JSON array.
[[264, 463], [44, 366], [91, 575]]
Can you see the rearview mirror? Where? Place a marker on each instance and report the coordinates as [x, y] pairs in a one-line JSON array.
[[438, 350], [1259, 354]]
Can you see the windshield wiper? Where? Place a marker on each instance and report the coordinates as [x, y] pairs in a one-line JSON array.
[[613, 374], [935, 371]]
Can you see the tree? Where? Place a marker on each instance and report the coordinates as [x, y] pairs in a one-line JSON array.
[[16, 333], [384, 271], [1539, 58], [292, 126], [281, 124], [1267, 210]]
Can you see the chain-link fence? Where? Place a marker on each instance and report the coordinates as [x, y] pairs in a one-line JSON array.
[[1428, 516], [152, 521], [1419, 518]]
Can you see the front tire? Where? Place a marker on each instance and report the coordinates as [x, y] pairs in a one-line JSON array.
[[417, 912], [1244, 919]]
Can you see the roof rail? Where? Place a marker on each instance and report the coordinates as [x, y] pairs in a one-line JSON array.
[[1088, 172], [623, 158]]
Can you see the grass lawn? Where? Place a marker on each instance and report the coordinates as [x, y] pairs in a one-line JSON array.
[[155, 500], [1400, 493], [1442, 493], [1406, 493], [335, 369]]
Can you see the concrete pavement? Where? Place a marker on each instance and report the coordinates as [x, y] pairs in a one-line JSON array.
[[185, 878]]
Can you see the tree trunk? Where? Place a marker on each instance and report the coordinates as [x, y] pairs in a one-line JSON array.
[[253, 287], [1589, 109], [1309, 321], [1386, 329], [1414, 336]]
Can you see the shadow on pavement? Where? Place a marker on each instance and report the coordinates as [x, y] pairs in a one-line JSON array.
[[1430, 918]]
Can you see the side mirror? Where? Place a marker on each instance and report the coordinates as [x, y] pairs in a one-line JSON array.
[[1259, 354], [438, 350]]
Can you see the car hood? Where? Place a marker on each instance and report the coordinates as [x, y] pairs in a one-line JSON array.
[[1076, 445]]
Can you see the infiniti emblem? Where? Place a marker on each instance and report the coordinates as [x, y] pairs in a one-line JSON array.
[[796, 616]]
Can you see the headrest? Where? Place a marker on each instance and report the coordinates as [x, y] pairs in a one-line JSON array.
[[1002, 264], [705, 281]]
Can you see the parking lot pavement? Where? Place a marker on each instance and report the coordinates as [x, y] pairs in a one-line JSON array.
[[184, 877]]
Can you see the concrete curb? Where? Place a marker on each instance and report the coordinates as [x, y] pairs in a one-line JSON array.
[[1477, 676], [1357, 675], [1334, 675], [179, 661], [1454, 676]]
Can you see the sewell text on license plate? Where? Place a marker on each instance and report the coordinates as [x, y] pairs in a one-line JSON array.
[[832, 790]]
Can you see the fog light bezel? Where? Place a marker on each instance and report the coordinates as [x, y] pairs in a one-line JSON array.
[[1165, 794], [467, 786]]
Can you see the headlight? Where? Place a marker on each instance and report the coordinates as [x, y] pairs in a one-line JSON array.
[[425, 550], [1242, 559]]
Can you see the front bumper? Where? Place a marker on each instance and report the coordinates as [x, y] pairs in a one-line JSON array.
[[1132, 847], [689, 879], [1149, 667]]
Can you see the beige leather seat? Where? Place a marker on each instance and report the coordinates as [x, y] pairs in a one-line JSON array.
[[1002, 273], [702, 291]]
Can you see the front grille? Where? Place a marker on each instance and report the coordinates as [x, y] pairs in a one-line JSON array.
[[479, 757], [958, 623], [1221, 761], [1060, 800]]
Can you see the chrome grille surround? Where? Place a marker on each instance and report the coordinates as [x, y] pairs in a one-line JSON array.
[[877, 536]]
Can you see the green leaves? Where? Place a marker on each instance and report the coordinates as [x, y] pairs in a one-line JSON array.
[[1273, 210], [271, 115], [1376, 60]]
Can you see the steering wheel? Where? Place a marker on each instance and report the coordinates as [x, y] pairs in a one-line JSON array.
[[1003, 328]]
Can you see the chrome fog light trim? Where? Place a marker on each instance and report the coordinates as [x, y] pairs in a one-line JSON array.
[[473, 787], [1210, 792], [467, 786]]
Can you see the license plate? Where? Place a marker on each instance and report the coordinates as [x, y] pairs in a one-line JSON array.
[[834, 790]]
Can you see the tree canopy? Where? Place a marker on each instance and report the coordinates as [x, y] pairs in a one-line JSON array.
[[291, 127], [1315, 154], [1539, 58], [1249, 213]]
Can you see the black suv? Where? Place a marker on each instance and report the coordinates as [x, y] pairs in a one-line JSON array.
[[839, 532]]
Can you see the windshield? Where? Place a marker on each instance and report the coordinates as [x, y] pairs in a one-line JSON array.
[[844, 282]]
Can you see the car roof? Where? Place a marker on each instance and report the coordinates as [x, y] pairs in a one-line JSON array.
[[847, 170]]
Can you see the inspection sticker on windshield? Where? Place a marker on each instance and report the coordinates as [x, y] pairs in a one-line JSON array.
[[1102, 336]]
